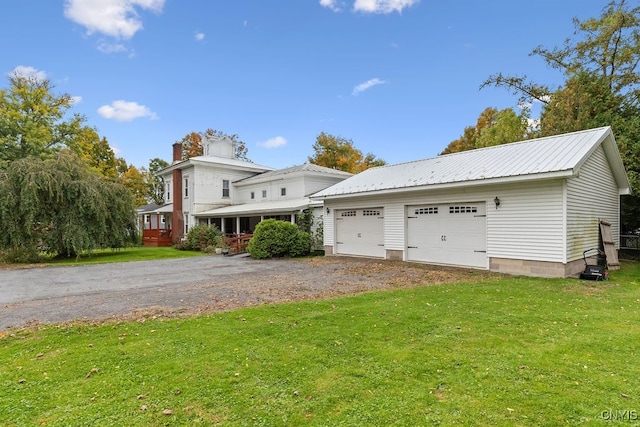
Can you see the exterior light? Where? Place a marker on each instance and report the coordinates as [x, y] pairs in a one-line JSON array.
[[496, 201], [328, 211]]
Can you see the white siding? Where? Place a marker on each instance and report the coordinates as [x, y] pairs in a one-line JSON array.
[[592, 195], [529, 222], [527, 225]]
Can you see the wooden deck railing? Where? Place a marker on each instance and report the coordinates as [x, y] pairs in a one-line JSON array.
[[157, 237], [238, 243]]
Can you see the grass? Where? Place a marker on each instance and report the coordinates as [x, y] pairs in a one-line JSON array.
[[103, 256], [499, 352]]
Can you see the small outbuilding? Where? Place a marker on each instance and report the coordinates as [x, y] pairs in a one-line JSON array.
[[530, 207]]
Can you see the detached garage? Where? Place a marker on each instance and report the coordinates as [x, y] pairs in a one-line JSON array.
[[530, 207]]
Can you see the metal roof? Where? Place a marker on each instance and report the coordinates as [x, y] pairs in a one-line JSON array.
[[282, 206], [556, 156], [215, 161], [281, 173]]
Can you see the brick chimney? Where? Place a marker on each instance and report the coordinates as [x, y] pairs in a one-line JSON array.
[[177, 219], [177, 152]]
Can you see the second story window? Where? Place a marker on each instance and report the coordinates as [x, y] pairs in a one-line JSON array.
[[186, 187], [225, 188], [283, 191], [264, 194], [253, 195], [167, 187]]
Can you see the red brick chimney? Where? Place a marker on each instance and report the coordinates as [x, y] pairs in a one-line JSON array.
[[178, 217]]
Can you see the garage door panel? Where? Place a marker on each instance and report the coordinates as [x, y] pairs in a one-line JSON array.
[[447, 234], [360, 232]]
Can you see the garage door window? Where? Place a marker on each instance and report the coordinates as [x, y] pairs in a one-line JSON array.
[[348, 213], [462, 209], [427, 211], [371, 212]]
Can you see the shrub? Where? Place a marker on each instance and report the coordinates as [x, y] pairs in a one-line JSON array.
[[273, 238], [200, 237]]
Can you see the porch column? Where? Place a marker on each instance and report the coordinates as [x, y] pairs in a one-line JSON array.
[[222, 225], [238, 225]]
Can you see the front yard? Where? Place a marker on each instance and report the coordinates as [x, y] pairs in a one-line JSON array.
[[496, 350]]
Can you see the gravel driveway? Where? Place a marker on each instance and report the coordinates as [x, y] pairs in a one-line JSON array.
[[55, 294]]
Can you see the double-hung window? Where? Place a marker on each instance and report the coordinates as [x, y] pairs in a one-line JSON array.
[[225, 188]]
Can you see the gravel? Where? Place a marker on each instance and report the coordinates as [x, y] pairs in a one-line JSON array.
[[54, 294]]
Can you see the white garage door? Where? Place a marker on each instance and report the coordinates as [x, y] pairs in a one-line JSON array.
[[360, 232], [453, 234]]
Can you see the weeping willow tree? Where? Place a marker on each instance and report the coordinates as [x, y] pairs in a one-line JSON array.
[[59, 207]]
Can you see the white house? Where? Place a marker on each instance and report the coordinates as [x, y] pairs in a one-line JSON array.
[[217, 188], [530, 207]]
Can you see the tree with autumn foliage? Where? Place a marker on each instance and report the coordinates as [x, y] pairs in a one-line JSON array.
[[192, 144], [602, 88], [339, 153], [493, 127]]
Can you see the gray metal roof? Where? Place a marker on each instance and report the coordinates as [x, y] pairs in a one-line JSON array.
[[304, 168], [281, 206], [548, 157]]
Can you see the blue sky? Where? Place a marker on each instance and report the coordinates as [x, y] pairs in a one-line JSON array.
[[400, 78]]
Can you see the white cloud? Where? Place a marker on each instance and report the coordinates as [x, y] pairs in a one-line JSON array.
[[106, 47], [371, 6], [382, 6], [367, 85], [199, 36], [76, 100], [27, 71], [276, 142], [115, 18], [125, 111], [331, 4]]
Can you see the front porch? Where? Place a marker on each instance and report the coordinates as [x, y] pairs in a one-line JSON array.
[[156, 237]]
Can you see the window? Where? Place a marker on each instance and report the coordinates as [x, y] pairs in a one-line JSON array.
[[253, 195], [186, 187], [462, 209], [427, 211], [225, 188], [167, 188], [147, 218], [264, 194], [162, 219], [186, 222], [283, 191], [371, 212], [348, 213]]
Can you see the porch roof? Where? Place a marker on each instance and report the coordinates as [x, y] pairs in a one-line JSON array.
[[280, 206]]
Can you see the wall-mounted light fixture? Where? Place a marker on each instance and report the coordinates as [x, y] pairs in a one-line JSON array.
[[328, 211], [496, 201]]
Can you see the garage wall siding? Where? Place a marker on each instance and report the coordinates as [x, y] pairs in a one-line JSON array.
[[528, 224], [592, 195]]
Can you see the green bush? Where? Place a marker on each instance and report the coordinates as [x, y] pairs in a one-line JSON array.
[[273, 238], [200, 237]]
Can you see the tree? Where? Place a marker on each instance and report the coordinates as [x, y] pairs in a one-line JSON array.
[[155, 184], [135, 181], [602, 87], [95, 152], [56, 205], [32, 120], [339, 153], [493, 127], [192, 144]]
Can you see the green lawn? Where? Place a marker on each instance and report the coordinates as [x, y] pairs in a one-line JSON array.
[[501, 352], [137, 253]]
